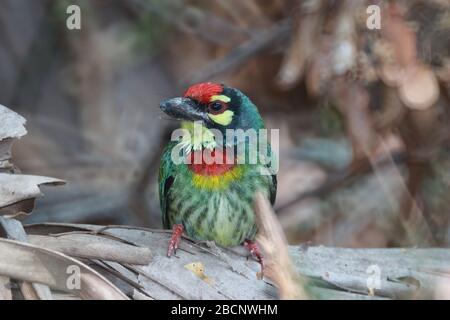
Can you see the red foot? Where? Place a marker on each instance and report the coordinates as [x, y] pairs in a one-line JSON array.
[[177, 231], [253, 248]]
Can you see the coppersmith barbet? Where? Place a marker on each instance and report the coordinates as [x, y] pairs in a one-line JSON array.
[[213, 201]]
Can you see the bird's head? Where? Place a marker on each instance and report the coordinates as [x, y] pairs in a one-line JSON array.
[[216, 106]]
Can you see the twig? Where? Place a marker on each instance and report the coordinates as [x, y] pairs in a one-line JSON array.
[[342, 178], [256, 44]]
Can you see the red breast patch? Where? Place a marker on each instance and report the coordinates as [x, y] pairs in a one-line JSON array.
[[200, 165]]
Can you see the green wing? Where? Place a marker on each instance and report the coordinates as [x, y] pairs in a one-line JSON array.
[[165, 181]]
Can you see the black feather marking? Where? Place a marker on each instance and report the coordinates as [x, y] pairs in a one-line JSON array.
[[167, 185], [273, 189]]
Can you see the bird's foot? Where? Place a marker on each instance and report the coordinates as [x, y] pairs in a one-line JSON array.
[[253, 248], [177, 231]]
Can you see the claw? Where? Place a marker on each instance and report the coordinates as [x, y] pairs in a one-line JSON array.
[[253, 248], [177, 231]]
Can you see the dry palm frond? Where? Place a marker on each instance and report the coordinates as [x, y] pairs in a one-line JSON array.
[[280, 268]]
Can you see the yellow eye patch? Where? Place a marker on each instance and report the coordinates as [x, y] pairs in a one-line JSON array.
[[223, 118], [220, 98]]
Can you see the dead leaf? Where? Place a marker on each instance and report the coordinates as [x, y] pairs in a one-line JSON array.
[[12, 124], [420, 88], [392, 74], [11, 128], [198, 269], [15, 188], [14, 230], [319, 72], [94, 247], [400, 35], [5, 288], [353, 101], [35, 264], [300, 49]]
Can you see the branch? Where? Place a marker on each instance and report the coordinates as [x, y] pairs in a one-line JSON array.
[[243, 52], [331, 273]]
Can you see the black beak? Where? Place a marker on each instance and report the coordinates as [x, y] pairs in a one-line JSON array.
[[183, 109]]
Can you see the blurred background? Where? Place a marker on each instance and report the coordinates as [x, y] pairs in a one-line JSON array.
[[363, 113]]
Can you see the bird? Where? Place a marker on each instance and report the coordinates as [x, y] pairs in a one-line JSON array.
[[213, 200]]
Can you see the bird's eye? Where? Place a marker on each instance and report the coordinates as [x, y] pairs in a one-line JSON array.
[[217, 107]]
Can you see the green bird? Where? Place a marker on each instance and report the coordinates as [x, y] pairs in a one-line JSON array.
[[212, 198]]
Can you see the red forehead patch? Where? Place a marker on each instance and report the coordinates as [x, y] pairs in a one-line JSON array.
[[203, 92]]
